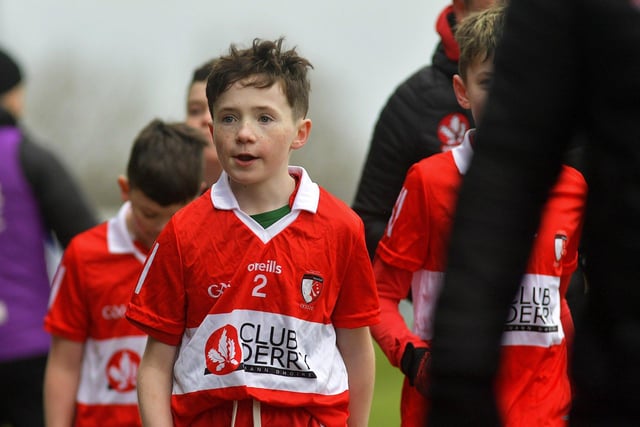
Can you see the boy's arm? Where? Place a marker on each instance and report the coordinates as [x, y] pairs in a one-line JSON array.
[[61, 379], [155, 379], [356, 348], [392, 333]]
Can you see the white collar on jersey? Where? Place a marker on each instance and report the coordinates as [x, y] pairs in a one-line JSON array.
[[306, 199], [119, 241], [463, 153]]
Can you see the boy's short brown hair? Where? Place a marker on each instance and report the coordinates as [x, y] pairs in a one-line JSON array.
[[166, 162], [265, 63], [201, 73], [478, 36]]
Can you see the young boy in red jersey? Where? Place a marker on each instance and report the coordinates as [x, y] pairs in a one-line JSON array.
[[258, 296], [533, 388], [91, 371]]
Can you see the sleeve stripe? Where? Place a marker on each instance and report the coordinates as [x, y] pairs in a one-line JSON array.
[[146, 268], [55, 285]]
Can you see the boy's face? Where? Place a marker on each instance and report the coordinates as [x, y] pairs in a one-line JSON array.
[[198, 117], [13, 101], [254, 132], [472, 92], [147, 218]]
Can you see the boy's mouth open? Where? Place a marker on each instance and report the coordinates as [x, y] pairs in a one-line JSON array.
[[245, 159]]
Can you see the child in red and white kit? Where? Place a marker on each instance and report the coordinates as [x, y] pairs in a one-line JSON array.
[[533, 387], [91, 371]]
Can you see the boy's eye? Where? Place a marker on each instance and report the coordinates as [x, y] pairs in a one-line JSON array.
[[486, 81], [265, 119], [226, 119], [195, 111]]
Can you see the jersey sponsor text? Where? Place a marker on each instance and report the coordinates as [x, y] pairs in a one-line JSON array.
[[271, 266]]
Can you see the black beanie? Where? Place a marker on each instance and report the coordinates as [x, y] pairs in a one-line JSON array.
[[10, 74]]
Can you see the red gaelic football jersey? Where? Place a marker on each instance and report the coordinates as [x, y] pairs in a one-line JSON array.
[[91, 289], [533, 383], [255, 310]]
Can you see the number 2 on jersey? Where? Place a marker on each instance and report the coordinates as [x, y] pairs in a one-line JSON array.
[[261, 281]]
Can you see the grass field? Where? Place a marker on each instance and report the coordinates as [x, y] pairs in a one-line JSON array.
[[385, 411]]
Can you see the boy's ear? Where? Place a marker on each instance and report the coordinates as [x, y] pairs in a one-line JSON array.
[[123, 183], [460, 90], [304, 129], [210, 129]]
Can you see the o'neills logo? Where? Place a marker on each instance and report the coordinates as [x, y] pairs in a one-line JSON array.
[[271, 266], [122, 370], [311, 287], [223, 352]]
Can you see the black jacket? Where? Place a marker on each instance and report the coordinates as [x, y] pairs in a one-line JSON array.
[[554, 78]]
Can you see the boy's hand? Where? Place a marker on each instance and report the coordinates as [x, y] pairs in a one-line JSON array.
[[415, 365]]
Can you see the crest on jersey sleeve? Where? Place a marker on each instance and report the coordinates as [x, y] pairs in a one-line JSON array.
[[223, 352], [311, 287], [560, 245]]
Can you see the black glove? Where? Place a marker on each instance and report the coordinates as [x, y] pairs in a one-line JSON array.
[[415, 364]]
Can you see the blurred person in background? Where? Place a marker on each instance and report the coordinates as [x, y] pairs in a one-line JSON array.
[[563, 68], [90, 379], [39, 202], [533, 386], [199, 117], [421, 118]]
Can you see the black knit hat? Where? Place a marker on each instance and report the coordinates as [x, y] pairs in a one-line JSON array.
[[10, 74]]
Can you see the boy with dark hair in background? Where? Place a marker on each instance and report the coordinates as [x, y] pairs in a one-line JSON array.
[[91, 371]]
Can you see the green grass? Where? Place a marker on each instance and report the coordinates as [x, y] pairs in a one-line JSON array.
[[385, 410]]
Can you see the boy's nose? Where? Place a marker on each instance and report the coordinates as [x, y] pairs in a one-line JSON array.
[[206, 119], [245, 132]]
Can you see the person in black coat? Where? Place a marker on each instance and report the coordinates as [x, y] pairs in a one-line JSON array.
[[564, 68], [421, 118]]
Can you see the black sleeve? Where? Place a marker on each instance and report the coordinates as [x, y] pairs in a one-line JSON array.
[[406, 132], [519, 149], [387, 163], [64, 208]]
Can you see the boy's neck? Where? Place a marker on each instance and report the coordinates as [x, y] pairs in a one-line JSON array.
[[264, 197], [129, 222]]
